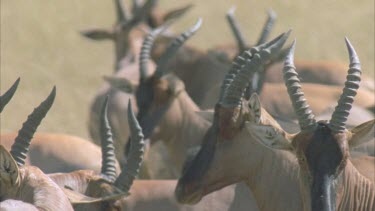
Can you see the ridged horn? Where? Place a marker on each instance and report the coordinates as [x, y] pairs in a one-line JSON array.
[[121, 13], [135, 158], [173, 48], [144, 57], [306, 118], [22, 142], [108, 149], [259, 56], [341, 113], [233, 23], [267, 28], [237, 64], [7, 96]]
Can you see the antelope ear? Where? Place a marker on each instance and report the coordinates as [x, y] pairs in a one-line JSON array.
[[79, 198], [362, 134], [121, 84], [206, 114], [255, 108], [98, 34], [177, 12], [8, 166]]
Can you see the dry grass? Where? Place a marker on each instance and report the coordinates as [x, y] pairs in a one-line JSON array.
[[41, 44]]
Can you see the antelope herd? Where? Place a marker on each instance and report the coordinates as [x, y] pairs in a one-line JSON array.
[[238, 131]]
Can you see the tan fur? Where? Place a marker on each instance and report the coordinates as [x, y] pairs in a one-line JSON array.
[[59, 152]]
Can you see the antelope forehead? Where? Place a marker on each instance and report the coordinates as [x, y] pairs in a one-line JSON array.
[[324, 151]]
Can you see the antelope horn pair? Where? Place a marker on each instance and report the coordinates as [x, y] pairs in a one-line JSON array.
[[241, 42], [135, 158], [7, 96], [21, 144], [305, 116], [255, 58], [169, 52]]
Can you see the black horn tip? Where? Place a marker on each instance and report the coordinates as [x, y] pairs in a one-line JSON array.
[[52, 95]]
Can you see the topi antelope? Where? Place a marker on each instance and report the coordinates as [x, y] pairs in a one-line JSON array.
[[24, 185], [223, 159], [145, 85], [328, 178], [127, 41], [317, 72]]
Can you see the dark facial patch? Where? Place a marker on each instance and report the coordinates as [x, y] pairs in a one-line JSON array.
[[152, 96], [195, 168], [325, 155]]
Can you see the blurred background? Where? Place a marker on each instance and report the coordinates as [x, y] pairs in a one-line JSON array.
[[40, 42]]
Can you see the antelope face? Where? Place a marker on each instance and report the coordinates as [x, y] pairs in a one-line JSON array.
[[157, 103], [322, 156], [222, 160]]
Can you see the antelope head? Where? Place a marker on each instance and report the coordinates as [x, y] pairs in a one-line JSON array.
[[7, 96], [121, 33], [87, 190], [322, 148], [221, 159], [156, 92]]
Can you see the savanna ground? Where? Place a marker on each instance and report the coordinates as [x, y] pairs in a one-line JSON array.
[[40, 42]]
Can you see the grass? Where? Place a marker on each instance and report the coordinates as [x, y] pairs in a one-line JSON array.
[[40, 43]]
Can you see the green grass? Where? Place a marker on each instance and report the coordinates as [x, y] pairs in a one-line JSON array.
[[40, 43]]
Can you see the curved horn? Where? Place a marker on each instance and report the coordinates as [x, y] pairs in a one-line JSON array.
[[241, 42], [108, 149], [120, 11], [237, 64], [21, 144], [144, 57], [173, 48], [267, 27], [306, 118], [7, 96], [341, 113], [135, 158], [260, 55]]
